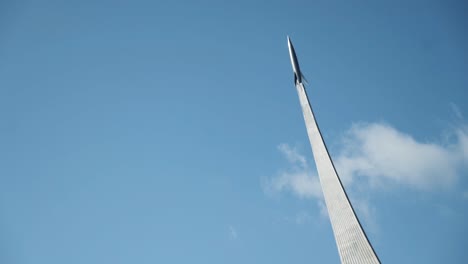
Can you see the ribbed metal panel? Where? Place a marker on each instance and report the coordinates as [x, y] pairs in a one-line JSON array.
[[352, 242]]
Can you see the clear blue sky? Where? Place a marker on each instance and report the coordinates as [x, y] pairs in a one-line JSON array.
[[171, 132]]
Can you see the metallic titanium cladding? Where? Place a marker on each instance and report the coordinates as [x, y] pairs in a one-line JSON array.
[[353, 245], [295, 63]]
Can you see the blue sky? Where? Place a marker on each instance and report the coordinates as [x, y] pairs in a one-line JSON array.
[[171, 131]]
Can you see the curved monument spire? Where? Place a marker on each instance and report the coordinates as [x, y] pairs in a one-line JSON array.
[[353, 245]]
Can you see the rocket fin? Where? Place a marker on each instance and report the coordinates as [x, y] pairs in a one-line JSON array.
[[304, 79]]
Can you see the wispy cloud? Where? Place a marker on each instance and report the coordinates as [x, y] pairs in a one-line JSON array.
[[456, 111], [367, 213], [232, 232], [302, 218], [293, 156], [323, 209], [298, 178]]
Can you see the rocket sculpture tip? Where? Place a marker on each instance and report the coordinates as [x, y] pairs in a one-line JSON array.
[[295, 64]]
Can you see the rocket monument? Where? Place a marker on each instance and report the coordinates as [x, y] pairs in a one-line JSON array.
[[353, 245]]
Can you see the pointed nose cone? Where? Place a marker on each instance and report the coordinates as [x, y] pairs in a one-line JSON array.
[[294, 63], [292, 54], [291, 51]]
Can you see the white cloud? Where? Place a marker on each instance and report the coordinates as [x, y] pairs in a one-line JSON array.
[[232, 232], [383, 154], [378, 154], [292, 155], [298, 178]]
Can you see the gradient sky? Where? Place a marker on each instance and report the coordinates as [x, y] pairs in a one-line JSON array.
[[171, 131]]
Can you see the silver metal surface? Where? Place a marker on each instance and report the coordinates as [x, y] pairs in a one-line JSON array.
[[352, 242]]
